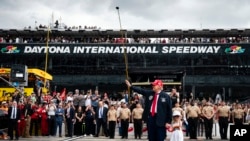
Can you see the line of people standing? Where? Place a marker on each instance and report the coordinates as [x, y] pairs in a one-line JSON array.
[[82, 115]]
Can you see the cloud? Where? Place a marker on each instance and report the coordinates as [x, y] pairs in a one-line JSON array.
[[135, 14]]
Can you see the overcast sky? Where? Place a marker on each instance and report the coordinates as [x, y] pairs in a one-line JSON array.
[[134, 14]]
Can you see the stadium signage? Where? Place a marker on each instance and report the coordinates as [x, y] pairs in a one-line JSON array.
[[106, 49], [190, 49]]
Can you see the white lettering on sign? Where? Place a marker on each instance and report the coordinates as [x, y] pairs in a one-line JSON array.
[[140, 49], [190, 49], [44, 49], [240, 132]]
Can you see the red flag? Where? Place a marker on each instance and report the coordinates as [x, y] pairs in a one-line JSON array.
[[63, 94]]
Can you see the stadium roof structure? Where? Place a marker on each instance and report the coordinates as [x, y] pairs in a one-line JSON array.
[[149, 33]]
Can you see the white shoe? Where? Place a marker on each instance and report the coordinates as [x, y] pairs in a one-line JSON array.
[[84, 135], [91, 135]]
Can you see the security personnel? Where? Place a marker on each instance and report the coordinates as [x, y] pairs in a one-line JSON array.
[[193, 113], [158, 109], [223, 112], [238, 115], [125, 114], [137, 120], [208, 114]]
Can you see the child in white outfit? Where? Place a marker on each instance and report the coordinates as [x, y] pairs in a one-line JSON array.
[[177, 134]]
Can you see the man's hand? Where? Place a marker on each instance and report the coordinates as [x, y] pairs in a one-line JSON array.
[[127, 83], [167, 125]]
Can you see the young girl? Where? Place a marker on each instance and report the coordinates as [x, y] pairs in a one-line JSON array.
[[177, 134]]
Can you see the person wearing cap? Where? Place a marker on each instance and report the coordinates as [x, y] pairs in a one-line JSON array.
[[158, 109], [176, 128]]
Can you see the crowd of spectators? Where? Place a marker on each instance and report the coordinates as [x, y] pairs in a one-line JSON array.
[[129, 40]]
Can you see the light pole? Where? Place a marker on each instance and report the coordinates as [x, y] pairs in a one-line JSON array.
[[125, 48]]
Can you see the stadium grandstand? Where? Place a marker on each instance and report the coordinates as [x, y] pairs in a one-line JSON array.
[[203, 62]]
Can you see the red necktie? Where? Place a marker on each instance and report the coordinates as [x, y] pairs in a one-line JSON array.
[[154, 104]]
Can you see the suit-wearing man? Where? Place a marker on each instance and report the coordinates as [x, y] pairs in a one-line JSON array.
[[101, 118], [70, 116], [158, 110], [14, 115]]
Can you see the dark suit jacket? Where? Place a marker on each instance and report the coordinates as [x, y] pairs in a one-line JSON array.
[[18, 114], [71, 113], [164, 106], [105, 112]]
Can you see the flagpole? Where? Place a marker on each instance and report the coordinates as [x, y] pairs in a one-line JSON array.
[[125, 48]]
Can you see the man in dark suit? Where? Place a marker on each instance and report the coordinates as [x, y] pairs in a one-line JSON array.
[[158, 110], [14, 115], [101, 119], [70, 116]]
